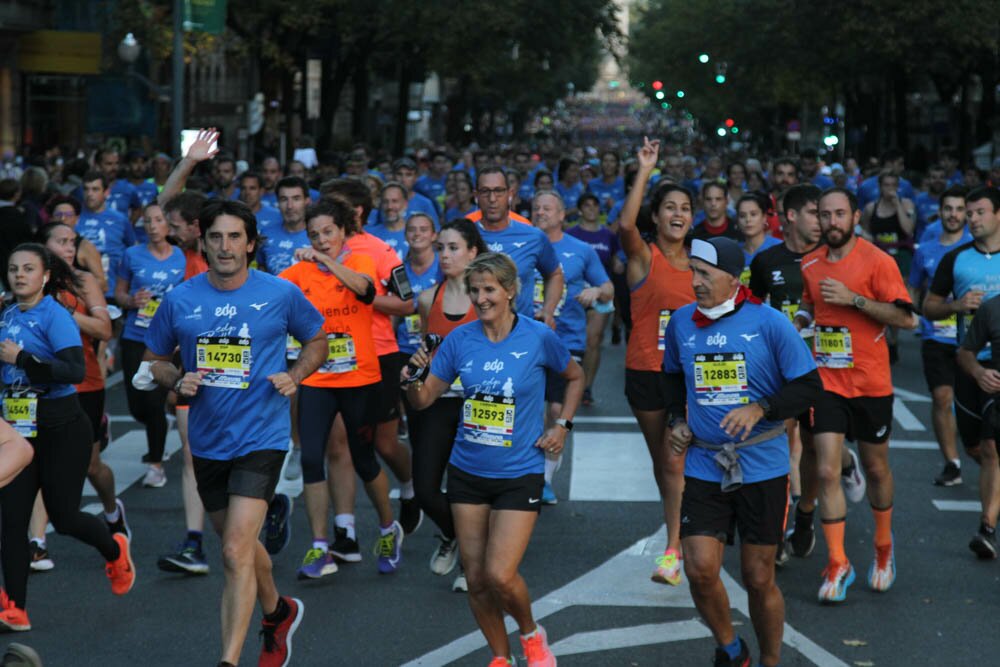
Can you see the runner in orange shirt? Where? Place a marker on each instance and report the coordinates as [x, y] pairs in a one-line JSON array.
[[852, 291], [341, 284], [660, 282]]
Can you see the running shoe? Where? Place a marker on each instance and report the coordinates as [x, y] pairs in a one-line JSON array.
[[317, 564], [460, 585], [668, 568], [410, 515], [155, 478], [722, 658], [803, 537], [344, 548], [277, 649], [588, 398], [836, 579], [277, 528], [882, 572], [121, 571], [782, 554], [549, 495], [121, 525], [40, 559], [984, 543], [499, 661], [189, 559], [293, 468], [536, 649], [445, 557], [854, 479], [950, 476], [389, 549], [19, 655], [12, 618]]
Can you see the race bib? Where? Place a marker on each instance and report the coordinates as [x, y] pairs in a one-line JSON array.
[[661, 336], [789, 309], [745, 276], [832, 347], [538, 295], [293, 348], [21, 412], [145, 314], [888, 239], [721, 379], [488, 420], [341, 357], [946, 328], [223, 361], [411, 324]]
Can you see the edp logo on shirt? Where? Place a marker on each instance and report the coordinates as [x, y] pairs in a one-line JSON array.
[[496, 366], [717, 339], [225, 311]]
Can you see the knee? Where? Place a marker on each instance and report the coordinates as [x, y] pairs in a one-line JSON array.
[[237, 556], [942, 398], [673, 465], [828, 474], [700, 572], [987, 450], [758, 577], [501, 581], [877, 470]]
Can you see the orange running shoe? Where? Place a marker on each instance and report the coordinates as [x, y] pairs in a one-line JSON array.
[[536, 649], [121, 571], [668, 568], [12, 618]]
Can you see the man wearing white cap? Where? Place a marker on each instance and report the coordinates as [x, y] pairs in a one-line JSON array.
[[737, 368]]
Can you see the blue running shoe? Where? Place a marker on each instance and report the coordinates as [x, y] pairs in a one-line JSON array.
[[317, 564], [836, 579], [389, 550], [548, 495]]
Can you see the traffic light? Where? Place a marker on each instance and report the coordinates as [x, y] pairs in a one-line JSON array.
[[720, 78], [703, 58], [664, 105], [721, 131], [660, 94], [680, 93], [657, 85], [734, 129], [730, 122]]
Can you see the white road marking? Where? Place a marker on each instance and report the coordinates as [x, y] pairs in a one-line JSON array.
[[612, 466], [906, 418], [623, 581], [927, 445], [604, 420], [640, 635], [958, 505], [911, 396], [113, 379]]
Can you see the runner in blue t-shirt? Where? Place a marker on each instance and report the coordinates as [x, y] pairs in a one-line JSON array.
[[391, 227], [527, 246], [146, 273], [251, 187], [495, 475], [277, 250], [940, 338], [586, 285], [423, 272], [41, 358], [110, 231], [231, 325], [736, 369], [609, 187]]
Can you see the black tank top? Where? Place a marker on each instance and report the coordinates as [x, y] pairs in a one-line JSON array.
[[888, 233]]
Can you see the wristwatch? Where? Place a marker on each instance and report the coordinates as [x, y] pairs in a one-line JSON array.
[[859, 301], [565, 423], [765, 405], [177, 385]]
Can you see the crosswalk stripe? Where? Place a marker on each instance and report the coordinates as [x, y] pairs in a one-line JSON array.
[[958, 505]]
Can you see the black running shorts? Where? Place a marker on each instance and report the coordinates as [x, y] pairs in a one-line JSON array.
[[555, 383], [384, 403], [861, 419], [253, 475], [646, 390], [939, 364], [758, 511], [518, 493]]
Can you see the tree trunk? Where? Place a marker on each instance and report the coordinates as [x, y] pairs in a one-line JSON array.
[[335, 76], [402, 109], [360, 113]]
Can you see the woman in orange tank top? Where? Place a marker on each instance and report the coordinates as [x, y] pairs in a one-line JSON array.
[[660, 282], [432, 431], [90, 311]]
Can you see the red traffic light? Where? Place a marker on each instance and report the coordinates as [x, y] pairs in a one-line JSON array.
[[730, 122], [657, 85]]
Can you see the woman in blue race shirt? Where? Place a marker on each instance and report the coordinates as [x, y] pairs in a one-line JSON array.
[[495, 474], [147, 272], [41, 357]]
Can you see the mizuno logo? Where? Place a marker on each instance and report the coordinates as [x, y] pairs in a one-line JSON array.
[[749, 337], [258, 306], [518, 355], [568, 254], [519, 244]]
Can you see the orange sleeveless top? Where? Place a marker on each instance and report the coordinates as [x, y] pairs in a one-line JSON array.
[[93, 379], [438, 323], [664, 290]]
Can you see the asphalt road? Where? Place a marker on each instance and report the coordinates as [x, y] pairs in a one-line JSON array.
[[588, 569]]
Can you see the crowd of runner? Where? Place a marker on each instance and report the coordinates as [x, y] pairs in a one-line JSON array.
[[436, 321]]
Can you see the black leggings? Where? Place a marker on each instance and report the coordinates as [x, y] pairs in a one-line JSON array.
[[62, 455], [432, 435], [147, 407], [318, 407]]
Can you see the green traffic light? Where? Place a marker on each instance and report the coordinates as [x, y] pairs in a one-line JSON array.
[[664, 105], [735, 130], [680, 93], [720, 78], [703, 58]]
